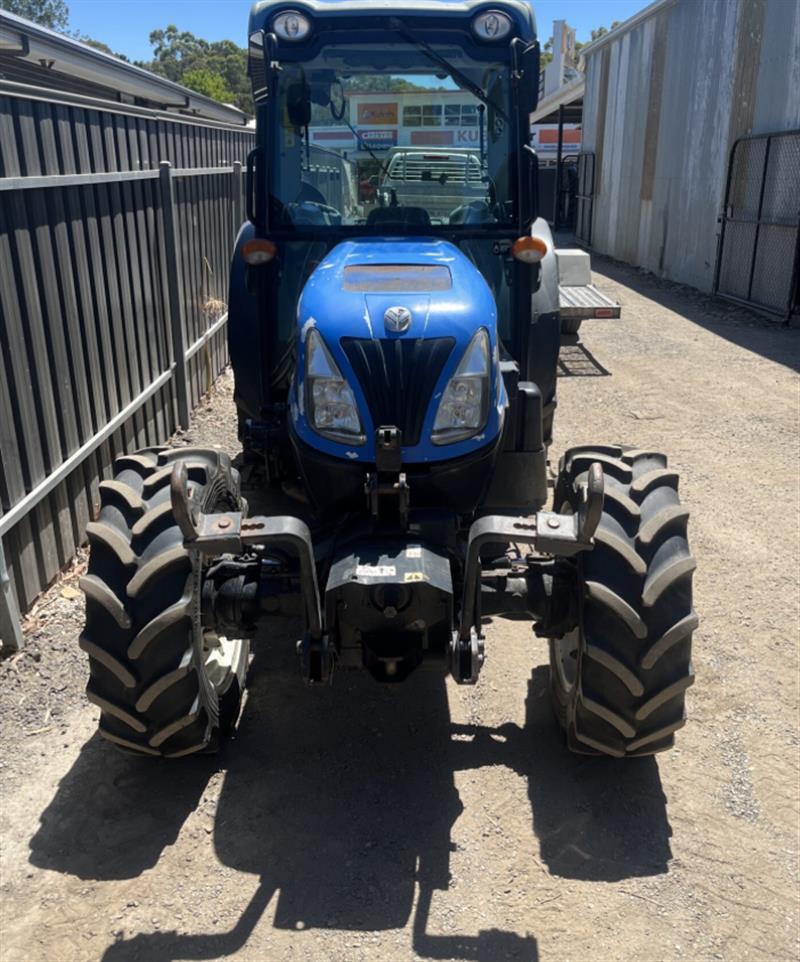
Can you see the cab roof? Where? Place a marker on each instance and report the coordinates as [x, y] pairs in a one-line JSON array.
[[520, 10]]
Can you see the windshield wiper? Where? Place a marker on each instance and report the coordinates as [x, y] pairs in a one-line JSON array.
[[460, 78], [383, 166]]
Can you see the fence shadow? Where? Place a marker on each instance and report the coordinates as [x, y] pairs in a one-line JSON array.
[[754, 332], [342, 802]]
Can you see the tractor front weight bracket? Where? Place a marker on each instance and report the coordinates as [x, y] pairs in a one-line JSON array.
[[550, 535], [230, 533], [539, 589]]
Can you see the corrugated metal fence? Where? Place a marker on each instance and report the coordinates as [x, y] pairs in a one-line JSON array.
[[116, 228]]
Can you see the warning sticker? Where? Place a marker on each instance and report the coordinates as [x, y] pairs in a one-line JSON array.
[[414, 551], [414, 576], [376, 571]]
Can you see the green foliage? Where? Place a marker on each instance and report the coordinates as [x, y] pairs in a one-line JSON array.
[[98, 45], [48, 13], [208, 83], [217, 69], [385, 83], [596, 34]]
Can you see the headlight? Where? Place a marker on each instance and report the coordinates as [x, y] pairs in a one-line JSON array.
[[292, 25], [332, 410], [465, 403], [492, 25]]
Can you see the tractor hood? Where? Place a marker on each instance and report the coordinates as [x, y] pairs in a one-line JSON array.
[[397, 317], [350, 292]]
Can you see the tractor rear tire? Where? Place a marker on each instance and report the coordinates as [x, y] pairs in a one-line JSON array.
[[570, 325], [163, 685], [618, 681]]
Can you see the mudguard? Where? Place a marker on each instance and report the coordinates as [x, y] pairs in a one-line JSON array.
[[244, 331], [541, 363]]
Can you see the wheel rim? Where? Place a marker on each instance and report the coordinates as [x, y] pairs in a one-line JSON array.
[[566, 659], [221, 657]]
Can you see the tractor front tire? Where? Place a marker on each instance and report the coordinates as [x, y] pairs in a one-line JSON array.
[[618, 681], [163, 685], [570, 325]]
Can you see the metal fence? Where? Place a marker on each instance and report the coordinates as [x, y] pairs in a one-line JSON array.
[[45, 132], [113, 283], [759, 248], [333, 176]]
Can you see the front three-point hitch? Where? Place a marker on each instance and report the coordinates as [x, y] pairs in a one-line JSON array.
[[266, 565], [542, 585]]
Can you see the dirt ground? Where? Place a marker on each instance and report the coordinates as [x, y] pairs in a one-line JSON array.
[[429, 821]]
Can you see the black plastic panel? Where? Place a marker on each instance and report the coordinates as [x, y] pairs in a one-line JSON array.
[[398, 377]]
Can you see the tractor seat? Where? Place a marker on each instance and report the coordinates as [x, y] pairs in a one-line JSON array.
[[398, 217]]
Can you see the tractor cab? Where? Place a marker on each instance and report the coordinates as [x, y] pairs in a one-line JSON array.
[[428, 104]]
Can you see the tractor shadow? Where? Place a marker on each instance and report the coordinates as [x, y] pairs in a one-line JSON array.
[[342, 801], [113, 814]]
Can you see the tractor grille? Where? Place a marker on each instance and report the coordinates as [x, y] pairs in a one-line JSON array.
[[398, 378]]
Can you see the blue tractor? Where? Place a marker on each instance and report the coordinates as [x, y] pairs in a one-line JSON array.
[[395, 370]]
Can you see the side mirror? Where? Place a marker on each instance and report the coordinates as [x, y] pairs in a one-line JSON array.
[[526, 65]]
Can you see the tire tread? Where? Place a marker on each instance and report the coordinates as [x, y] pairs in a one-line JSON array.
[[634, 661]]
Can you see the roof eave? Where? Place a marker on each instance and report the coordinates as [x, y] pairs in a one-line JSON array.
[[77, 59]]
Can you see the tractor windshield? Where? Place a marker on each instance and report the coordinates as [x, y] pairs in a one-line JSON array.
[[409, 137]]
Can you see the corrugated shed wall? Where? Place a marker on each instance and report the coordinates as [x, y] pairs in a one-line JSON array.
[[664, 103]]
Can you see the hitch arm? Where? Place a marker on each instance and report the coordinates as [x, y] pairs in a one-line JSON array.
[[230, 533], [549, 533]]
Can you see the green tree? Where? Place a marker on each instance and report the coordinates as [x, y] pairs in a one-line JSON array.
[[98, 45], [208, 83], [381, 83], [178, 54], [596, 34], [49, 13]]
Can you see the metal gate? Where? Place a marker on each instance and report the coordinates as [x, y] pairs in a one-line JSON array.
[[759, 247], [585, 198]]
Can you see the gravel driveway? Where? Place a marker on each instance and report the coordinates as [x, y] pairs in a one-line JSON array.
[[430, 821]]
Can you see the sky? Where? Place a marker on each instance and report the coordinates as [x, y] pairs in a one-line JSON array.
[[126, 24]]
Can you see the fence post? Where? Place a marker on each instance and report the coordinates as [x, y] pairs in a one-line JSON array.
[[236, 189], [10, 630], [175, 296]]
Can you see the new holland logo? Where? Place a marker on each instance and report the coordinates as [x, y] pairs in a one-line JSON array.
[[397, 319]]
